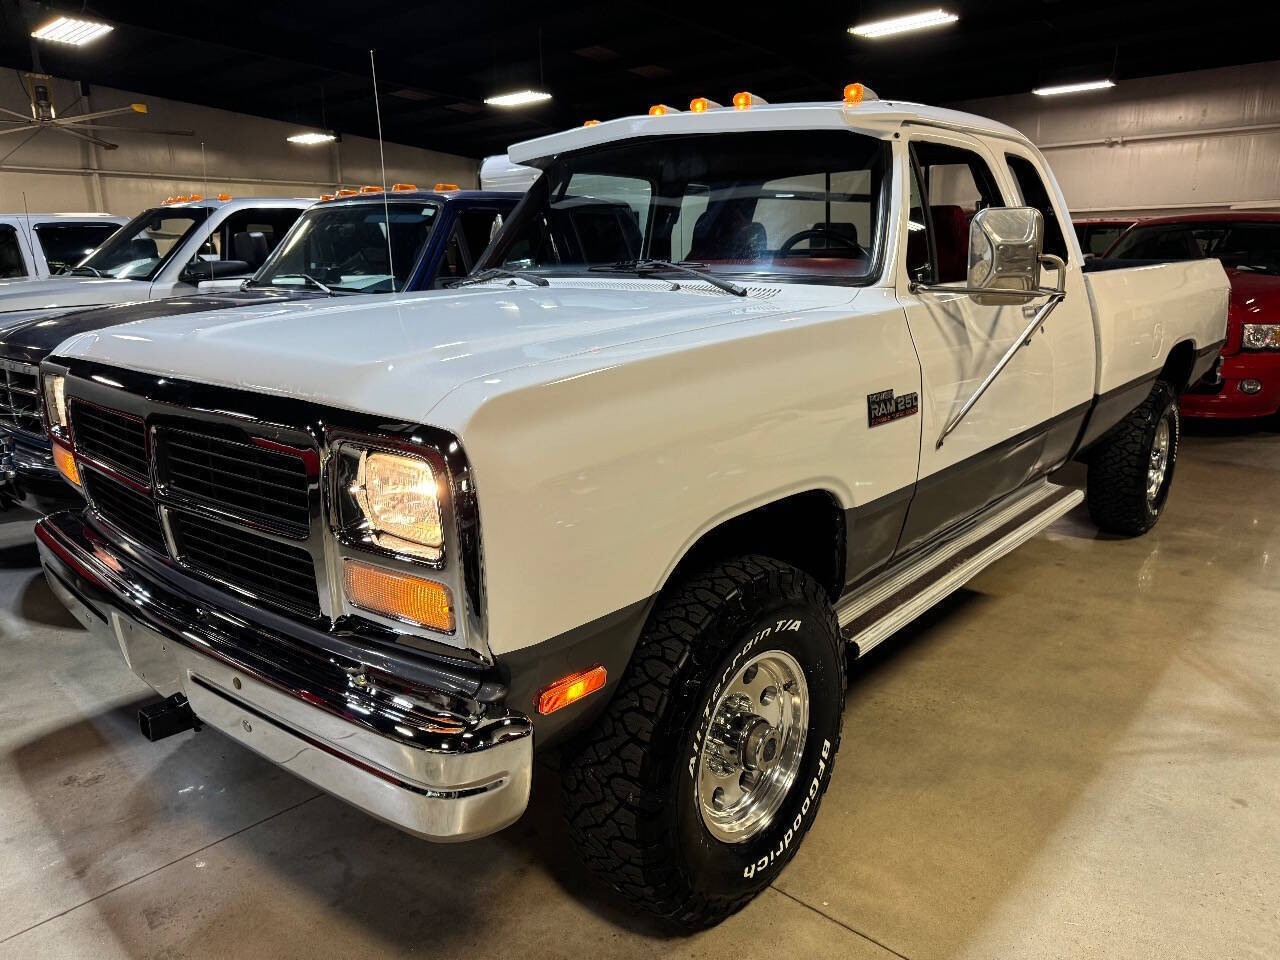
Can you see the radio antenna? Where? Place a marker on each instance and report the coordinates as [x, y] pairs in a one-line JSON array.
[[382, 161], [204, 173]]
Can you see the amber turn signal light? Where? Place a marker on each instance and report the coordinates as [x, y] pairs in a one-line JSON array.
[[398, 595], [65, 461], [570, 689]]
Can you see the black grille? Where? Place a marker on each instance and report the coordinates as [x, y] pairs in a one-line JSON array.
[[111, 437], [20, 397], [269, 569], [132, 512], [246, 480]]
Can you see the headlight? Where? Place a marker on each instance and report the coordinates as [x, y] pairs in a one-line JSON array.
[[55, 399], [1261, 336], [390, 499]]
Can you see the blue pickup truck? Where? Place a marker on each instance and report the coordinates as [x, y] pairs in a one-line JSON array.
[[364, 243]]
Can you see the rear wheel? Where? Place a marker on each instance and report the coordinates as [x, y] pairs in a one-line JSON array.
[[697, 785], [1131, 470]]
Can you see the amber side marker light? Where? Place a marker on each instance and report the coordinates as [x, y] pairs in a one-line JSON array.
[[702, 105], [570, 689], [398, 595], [65, 461], [404, 186], [661, 110], [591, 123], [745, 100], [445, 187]]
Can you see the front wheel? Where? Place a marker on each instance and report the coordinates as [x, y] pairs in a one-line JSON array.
[[697, 785], [1131, 470]]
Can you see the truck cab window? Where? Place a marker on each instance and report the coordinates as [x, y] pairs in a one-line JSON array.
[[1034, 194], [11, 264], [919, 260], [957, 184]]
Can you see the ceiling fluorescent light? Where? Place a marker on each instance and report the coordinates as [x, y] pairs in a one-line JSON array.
[[518, 99], [912, 21], [1073, 88], [73, 31], [311, 139]]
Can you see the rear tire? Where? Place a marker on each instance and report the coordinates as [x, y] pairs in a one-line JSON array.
[[697, 785], [1131, 469]]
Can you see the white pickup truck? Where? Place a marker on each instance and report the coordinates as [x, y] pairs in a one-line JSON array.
[[734, 395], [37, 245], [165, 251]]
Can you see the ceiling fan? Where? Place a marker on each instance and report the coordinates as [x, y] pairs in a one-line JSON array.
[[82, 126]]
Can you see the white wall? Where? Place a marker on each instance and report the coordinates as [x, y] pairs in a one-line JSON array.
[[244, 155], [1192, 141]]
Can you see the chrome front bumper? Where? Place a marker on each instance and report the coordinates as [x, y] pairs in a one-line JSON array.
[[431, 763]]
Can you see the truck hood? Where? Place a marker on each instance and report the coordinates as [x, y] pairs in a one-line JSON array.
[[29, 336], [68, 292], [1255, 298], [399, 357]]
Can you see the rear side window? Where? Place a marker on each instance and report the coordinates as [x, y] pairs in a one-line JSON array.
[[1035, 194], [66, 244], [956, 184], [11, 264]]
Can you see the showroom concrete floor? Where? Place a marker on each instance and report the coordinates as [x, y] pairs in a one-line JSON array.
[[1076, 757]]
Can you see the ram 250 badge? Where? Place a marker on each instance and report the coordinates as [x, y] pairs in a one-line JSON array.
[[336, 248], [739, 393]]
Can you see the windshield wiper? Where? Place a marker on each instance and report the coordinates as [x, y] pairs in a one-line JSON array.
[[302, 276], [699, 270], [494, 273], [89, 272]]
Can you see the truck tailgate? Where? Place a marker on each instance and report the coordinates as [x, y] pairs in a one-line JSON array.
[[1141, 312]]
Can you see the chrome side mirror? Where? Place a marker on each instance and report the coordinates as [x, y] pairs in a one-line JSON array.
[[1005, 245]]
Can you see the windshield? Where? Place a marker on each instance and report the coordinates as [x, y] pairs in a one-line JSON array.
[[140, 248], [344, 247], [1253, 246], [65, 244], [794, 205]]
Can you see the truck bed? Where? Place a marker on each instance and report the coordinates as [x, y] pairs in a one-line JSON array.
[[1144, 309]]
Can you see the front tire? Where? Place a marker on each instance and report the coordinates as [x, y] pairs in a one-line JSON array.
[[698, 783], [1131, 470]]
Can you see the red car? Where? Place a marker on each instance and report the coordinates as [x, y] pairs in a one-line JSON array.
[[1245, 382], [1096, 234]]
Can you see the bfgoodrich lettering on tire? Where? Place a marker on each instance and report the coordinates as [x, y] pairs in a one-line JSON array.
[[705, 772], [1131, 469]]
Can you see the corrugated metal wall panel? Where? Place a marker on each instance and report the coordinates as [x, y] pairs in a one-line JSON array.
[[1205, 140]]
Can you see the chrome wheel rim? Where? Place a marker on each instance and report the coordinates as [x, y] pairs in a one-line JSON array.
[[753, 747], [1158, 464]]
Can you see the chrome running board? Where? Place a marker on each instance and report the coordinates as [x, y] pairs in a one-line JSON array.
[[892, 600]]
